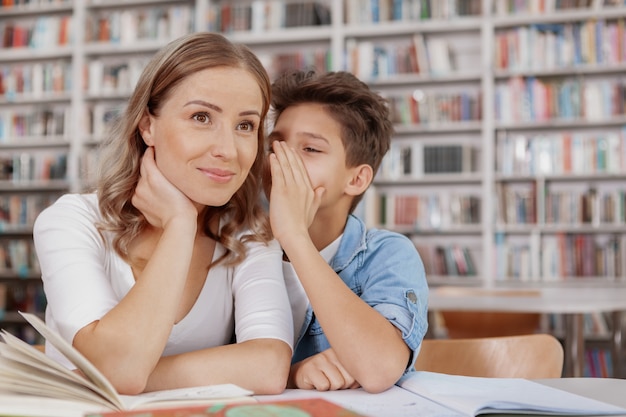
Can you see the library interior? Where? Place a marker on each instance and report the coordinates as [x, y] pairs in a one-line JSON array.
[[507, 168]]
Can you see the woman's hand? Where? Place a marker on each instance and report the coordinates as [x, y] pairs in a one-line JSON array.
[[157, 198]]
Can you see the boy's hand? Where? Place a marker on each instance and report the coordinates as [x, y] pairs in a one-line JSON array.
[[321, 372], [293, 201], [157, 198]]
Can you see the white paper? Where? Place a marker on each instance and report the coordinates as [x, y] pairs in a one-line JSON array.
[[395, 402], [26, 406], [183, 396], [473, 395]]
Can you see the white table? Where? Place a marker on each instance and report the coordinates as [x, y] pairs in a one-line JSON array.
[[397, 402], [608, 390], [571, 302]]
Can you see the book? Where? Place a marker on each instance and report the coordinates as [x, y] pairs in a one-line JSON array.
[[309, 407], [29, 375], [474, 396]]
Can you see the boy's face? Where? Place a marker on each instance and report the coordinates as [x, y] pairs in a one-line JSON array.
[[316, 137]]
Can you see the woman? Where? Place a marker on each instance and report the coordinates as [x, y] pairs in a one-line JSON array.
[[153, 275]]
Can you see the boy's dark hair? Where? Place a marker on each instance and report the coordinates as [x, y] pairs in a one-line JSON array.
[[362, 113]]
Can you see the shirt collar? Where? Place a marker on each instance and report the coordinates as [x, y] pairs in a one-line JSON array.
[[330, 251]]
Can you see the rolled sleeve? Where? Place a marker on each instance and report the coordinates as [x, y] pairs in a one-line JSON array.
[[393, 282]]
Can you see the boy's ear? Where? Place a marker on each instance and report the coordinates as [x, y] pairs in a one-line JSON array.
[[145, 130], [362, 177]]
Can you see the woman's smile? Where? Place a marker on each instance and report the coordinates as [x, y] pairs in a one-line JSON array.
[[218, 175]]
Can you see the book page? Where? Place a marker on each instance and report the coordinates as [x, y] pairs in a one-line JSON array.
[[24, 363], [474, 395], [76, 358], [28, 406], [33, 378], [19, 352], [18, 377], [201, 395], [395, 402]]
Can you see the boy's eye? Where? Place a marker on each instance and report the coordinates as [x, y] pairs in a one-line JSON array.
[[201, 117]]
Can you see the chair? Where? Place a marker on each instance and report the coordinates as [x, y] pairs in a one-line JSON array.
[[531, 356], [471, 324]]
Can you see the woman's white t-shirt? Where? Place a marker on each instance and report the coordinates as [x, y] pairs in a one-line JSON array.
[[84, 278]]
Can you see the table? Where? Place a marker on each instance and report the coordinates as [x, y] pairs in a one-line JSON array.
[[608, 390], [397, 402], [571, 302]]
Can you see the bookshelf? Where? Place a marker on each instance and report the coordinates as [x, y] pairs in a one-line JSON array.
[[509, 144], [35, 119], [559, 158], [506, 112], [432, 184]]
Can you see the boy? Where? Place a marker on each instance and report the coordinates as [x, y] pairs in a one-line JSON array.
[[359, 297]]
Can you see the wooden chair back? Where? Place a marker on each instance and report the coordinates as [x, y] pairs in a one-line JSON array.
[[531, 356], [471, 324]]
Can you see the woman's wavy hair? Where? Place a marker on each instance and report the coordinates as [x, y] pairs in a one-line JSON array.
[[121, 154]]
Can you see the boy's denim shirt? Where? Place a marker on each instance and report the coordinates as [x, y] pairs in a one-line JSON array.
[[384, 269]]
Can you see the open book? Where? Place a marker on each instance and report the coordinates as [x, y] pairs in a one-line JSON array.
[[24, 370], [473, 396]]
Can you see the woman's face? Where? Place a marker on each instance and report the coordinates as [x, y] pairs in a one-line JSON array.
[[206, 135]]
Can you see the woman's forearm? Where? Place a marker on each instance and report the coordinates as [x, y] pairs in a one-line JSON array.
[[260, 365]]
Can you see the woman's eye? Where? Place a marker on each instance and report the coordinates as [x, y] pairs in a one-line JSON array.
[[311, 150], [201, 117], [246, 126]]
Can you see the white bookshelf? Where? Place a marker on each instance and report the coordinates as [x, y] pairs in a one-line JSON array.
[[487, 133]]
